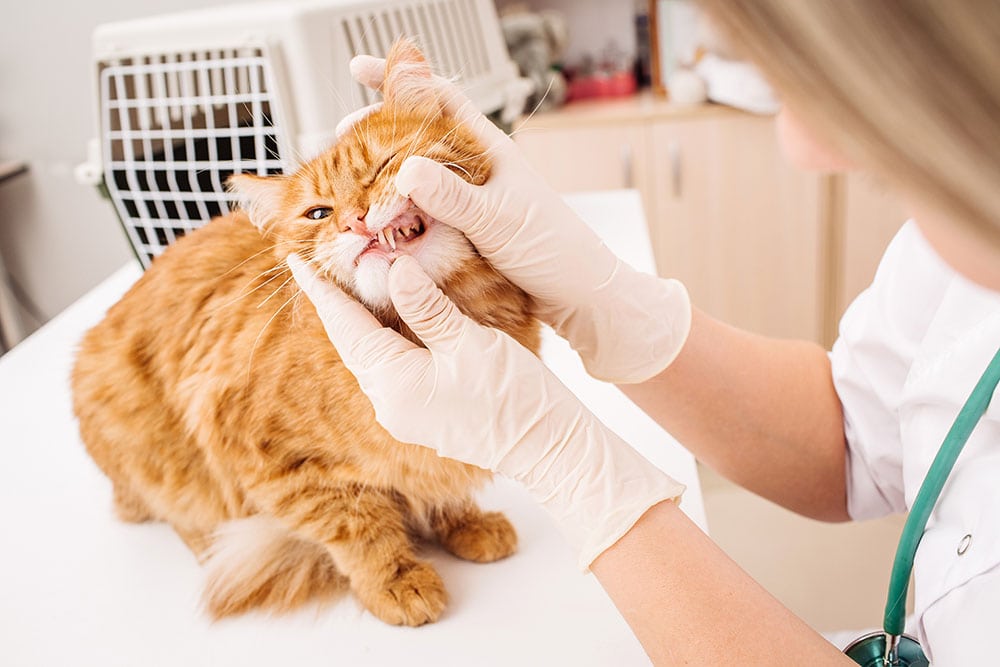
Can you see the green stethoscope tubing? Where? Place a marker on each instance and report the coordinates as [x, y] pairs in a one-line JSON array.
[[916, 522]]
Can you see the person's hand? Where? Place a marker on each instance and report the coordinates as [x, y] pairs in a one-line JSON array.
[[476, 395], [627, 326]]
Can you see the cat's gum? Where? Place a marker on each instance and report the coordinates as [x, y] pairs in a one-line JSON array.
[[399, 233]]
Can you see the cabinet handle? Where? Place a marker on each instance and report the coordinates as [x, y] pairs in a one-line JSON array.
[[628, 173], [674, 155]]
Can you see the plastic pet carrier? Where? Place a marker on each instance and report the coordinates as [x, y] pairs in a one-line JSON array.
[[185, 100]]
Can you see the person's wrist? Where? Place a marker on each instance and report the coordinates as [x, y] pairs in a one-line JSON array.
[[631, 328], [603, 489]]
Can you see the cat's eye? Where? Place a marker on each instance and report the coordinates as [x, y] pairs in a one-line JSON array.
[[318, 213]]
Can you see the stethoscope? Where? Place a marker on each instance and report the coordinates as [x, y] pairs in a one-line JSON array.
[[891, 647]]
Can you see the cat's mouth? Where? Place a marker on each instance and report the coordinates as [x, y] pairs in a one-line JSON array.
[[394, 238]]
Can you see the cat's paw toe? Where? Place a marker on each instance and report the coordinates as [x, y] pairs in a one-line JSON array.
[[130, 508], [483, 539], [414, 595]]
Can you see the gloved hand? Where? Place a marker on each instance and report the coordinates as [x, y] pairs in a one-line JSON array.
[[627, 326], [476, 395]]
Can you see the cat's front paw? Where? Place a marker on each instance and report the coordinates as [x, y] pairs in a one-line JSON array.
[[482, 537], [413, 595]]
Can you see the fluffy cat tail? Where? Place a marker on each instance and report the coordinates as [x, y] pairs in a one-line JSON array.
[[256, 563]]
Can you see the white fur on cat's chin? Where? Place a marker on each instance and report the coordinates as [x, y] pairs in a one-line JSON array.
[[371, 281], [441, 253]]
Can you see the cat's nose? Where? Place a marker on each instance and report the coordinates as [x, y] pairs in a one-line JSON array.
[[355, 221]]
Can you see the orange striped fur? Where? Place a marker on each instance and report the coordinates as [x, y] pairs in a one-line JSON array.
[[212, 399]]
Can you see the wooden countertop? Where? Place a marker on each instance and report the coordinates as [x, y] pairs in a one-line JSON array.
[[635, 109]]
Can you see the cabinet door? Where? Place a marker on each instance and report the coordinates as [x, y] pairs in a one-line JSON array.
[[738, 224], [597, 157], [600, 156], [872, 216]]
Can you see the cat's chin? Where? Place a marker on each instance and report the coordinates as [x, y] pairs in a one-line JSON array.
[[441, 252], [371, 281]]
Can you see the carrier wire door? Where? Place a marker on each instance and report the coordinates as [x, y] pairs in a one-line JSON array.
[[177, 127], [184, 100]]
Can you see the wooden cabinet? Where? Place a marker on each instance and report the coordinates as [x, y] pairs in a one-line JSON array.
[[759, 243], [575, 159], [610, 154], [726, 215], [738, 225], [871, 217]]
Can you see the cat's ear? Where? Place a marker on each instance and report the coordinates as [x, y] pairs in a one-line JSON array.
[[408, 81], [261, 197]]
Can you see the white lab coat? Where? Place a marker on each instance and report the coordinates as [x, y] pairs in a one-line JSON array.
[[911, 348]]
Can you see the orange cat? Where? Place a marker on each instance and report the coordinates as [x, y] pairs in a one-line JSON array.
[[212, 398]]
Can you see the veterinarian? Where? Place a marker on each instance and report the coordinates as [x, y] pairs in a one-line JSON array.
[[908, 91]]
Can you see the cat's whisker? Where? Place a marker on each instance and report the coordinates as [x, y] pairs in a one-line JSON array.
[[280, 287], [455, 128], [425, 124], [538, 105], [273, 269], [255, 255], [521, 129], [345, 107], [253, 348], [482, 154], [459, 167], [462, 112], [326, 266], [243, 295], [248, 110]]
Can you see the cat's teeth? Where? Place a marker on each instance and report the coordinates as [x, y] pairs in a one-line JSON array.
[[392, 238], [381, 237]]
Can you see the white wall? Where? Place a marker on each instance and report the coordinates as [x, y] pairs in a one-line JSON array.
[[58, 238]]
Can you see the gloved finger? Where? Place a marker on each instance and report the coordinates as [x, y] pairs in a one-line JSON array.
[[443, 194], [426, 310], [368, 70], [359, 338], [348, 121], [462, 108]]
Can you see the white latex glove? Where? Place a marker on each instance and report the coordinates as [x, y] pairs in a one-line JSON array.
[[627, 326], [476, 395]]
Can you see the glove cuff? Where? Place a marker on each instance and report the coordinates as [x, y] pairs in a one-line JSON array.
[[632, 328], [600, 496]]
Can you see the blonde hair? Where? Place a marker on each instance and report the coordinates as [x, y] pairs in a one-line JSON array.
[[907, 88]]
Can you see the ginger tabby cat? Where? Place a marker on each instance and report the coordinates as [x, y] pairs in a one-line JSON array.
[[213, 400]]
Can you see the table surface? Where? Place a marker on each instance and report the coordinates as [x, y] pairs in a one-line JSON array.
[[81, 588]]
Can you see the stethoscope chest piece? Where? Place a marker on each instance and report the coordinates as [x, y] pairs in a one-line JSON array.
[[869, 651]]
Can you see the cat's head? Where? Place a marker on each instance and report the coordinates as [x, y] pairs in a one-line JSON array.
[[341, 210]]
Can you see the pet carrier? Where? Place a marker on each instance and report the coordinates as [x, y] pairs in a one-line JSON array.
[[185, 100]]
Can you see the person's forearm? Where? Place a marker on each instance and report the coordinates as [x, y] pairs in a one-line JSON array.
[[762, 412], [688, 603]]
